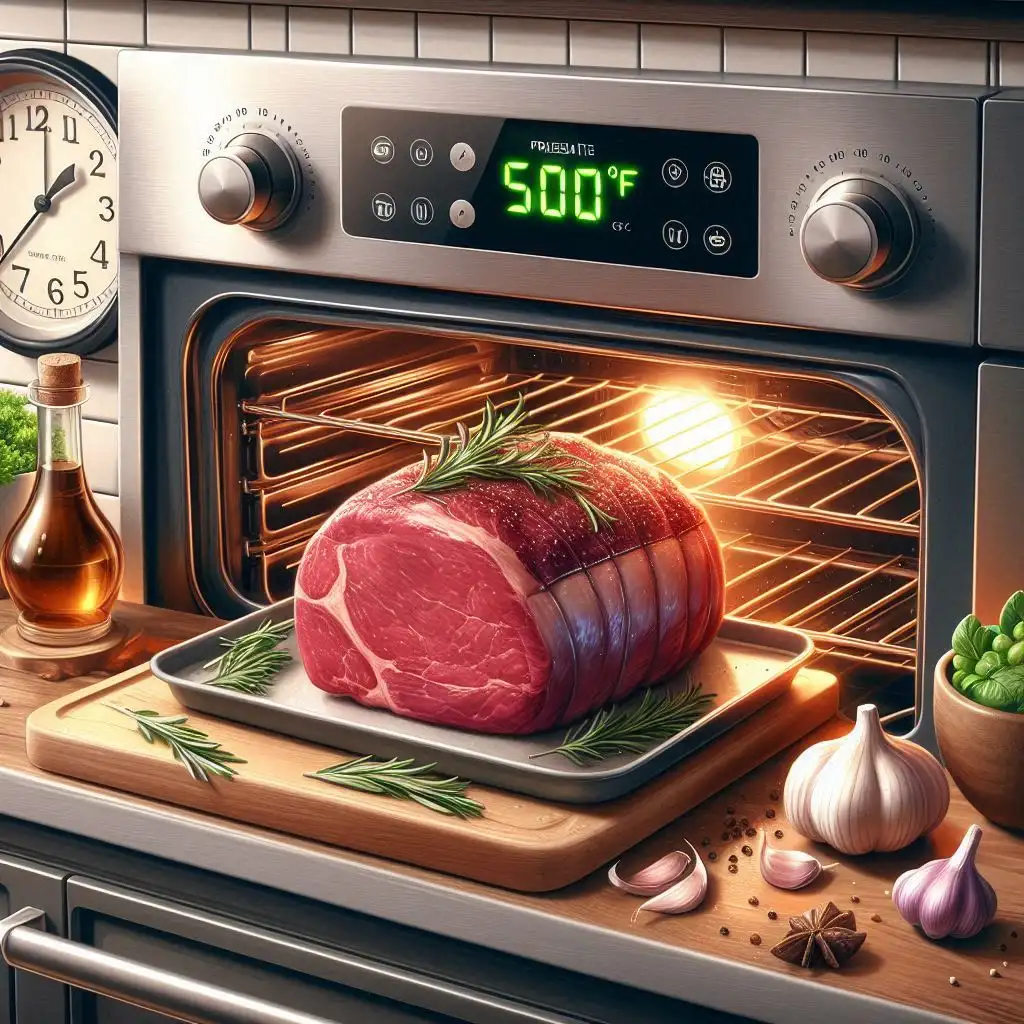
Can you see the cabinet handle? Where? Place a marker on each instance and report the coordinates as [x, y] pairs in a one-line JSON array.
[[23, 945]]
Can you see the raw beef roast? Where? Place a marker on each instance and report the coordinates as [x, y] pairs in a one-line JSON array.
[[492, 609]]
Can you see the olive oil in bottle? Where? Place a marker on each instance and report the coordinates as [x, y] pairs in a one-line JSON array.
[[62, 562]]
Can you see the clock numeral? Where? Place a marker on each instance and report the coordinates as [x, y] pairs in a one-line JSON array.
[[80, 283], [107, 213], [96, 172], [54, 290], [71, 129], [42, 115], [24, 280], [12, 131], [99, 254]]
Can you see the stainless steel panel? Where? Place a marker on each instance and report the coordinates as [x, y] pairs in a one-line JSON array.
[[34, 998], [923, 139], [999, 490], [747, 665], [1001, 301], [344, 987]]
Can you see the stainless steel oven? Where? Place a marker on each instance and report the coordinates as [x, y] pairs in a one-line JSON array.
[[768, 289]]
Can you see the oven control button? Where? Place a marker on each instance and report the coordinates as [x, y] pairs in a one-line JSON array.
[[859, 232], [462, 156], [462, 213], [254, 181]]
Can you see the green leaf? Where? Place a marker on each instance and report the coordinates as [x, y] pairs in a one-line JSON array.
[[971, 639], [1013, 612], [1003, 690]]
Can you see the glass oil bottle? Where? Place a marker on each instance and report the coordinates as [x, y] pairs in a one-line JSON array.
[[62, 562]]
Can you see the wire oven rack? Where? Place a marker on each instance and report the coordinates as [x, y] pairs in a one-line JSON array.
[[844, 471]]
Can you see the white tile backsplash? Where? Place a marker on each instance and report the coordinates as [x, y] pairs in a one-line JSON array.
[[268, 27], [1011, 64], [530, 40], [454, 37], [107, 21], [756, 51], [384, 33], [848, 55], [681, 47], [31, 19], [197, 24], [319, 30], [604, 44], [96, 31], [943, 60]]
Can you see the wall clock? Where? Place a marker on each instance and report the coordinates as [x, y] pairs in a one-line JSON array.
[[58, 204]]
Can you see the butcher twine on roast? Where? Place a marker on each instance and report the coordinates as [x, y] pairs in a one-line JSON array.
[[493, 609]]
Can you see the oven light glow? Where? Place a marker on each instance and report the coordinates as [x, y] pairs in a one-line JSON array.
[[691, 430]]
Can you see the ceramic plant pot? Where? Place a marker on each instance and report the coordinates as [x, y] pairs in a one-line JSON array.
[[983, 750]]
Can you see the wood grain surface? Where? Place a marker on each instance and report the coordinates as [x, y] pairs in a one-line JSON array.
[[896, 964], [521, 842]]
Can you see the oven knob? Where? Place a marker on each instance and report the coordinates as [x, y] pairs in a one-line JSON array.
[[859, 232], [254, 181]]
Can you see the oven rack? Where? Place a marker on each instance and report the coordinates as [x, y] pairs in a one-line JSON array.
[[865, 479]]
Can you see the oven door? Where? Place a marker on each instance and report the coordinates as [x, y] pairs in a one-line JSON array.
[[836, 472]]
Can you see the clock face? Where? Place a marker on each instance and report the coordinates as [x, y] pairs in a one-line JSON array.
[[58, 215]]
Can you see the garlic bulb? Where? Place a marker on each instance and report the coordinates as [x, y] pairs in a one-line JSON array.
[[947, 897], [866, 791]]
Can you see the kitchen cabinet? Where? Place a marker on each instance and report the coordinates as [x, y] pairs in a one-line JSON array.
[[27, 998]]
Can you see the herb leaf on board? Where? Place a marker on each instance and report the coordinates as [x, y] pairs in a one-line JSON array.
[[1003, 690], [971, 639], [1013, 612], [404, 780], [199, 755]]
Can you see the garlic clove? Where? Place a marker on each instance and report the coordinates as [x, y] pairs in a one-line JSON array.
[[788, 869], [947, 898], [866, 791], [682, 897], [654, 878]]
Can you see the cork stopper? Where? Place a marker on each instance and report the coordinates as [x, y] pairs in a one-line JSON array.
[[60, 380]]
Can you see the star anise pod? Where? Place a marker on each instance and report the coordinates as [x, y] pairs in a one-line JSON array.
[[827, 935]]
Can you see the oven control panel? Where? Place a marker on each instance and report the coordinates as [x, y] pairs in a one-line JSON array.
[[642, 197]]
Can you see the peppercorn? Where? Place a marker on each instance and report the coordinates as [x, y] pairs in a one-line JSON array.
[[744, 822], [876, 918], [753, 901], [733, 858], [779, 833], [725, 837], [746, 851], [730, 810], [751, 832], [772, 916], [855, 899], [706, 841], [769, 812], [1002, 947], [1013, 935], [736, 833], [755, 939], [773, 795], [730, 822], [723, 930], [712, 855], [733, 869]]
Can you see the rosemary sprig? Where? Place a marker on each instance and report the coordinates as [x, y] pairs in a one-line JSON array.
[[620, 730], [251, 661], [201, 756], [505, 447], [403, 780]]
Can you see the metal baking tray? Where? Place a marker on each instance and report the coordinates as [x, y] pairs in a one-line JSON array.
[[747, 665]]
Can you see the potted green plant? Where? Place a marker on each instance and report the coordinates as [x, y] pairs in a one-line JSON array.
[[979, 713], [17, 458]]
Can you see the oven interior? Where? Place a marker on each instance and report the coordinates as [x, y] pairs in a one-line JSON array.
[[813, 489]]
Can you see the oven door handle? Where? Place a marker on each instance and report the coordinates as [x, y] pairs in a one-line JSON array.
[[24, 946]]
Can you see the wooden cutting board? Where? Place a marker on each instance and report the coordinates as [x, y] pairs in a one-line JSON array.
[[521, 843]]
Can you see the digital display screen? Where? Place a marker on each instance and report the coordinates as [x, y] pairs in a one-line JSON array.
[[644, 197]]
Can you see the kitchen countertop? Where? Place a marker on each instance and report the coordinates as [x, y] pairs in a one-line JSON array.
[[898, 976]]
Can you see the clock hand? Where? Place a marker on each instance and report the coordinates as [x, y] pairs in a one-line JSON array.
[[42, 205]]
